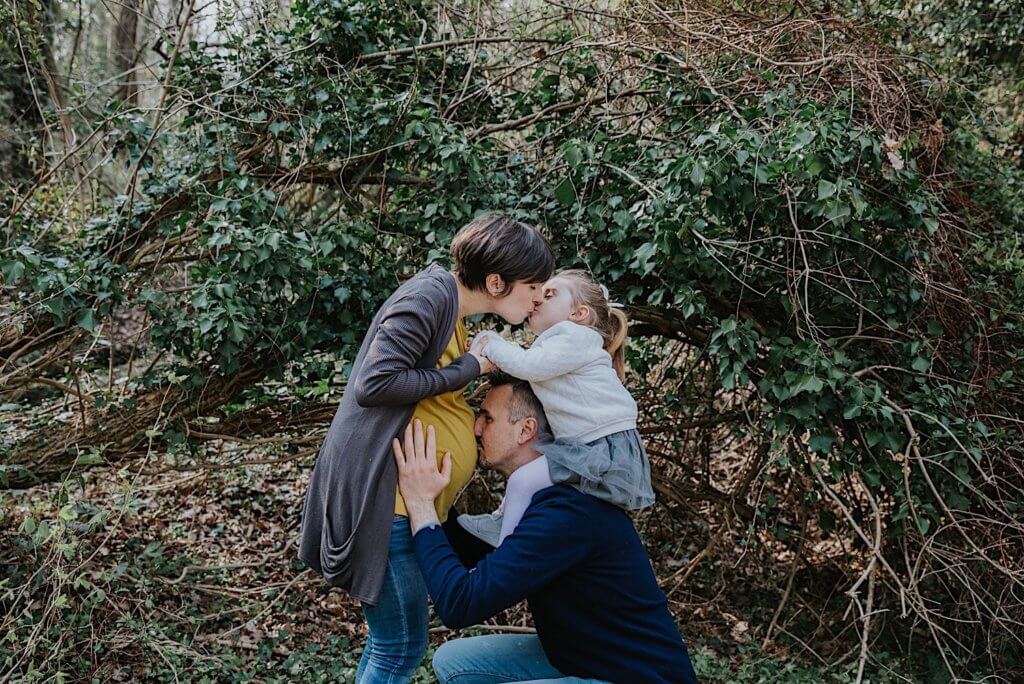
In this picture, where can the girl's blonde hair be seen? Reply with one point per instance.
(609, 321)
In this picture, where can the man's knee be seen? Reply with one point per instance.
(449, 659)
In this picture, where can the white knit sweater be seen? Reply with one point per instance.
(572, 375)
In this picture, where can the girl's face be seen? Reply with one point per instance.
(556, 306)
(518, 304)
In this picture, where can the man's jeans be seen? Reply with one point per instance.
(398, 623)
(498, 658)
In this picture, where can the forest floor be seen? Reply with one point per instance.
(179, 568)
(180, 565)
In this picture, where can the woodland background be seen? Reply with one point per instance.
(812, 209)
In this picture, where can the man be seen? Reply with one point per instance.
(599, 613)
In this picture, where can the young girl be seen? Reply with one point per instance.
(576, 367)
(413, 363)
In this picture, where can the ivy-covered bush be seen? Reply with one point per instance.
(783, 194)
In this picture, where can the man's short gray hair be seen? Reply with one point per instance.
(523, 404)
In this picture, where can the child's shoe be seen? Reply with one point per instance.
(486, 526)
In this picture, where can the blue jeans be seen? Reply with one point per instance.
(398, 623)
(498, 658)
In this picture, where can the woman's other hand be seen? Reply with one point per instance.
(486, 365)
(478, 348)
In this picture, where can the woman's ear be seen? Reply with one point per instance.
(495, 285)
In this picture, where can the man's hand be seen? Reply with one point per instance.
(418, 477)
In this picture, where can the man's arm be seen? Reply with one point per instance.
(550, 540)
(468, 548)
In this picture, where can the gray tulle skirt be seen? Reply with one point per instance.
(614, 468)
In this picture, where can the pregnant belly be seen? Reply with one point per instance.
(453, 429)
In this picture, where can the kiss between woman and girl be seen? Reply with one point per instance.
(414, 363)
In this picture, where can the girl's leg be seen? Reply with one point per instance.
(519, 490)
(398, 623)
(522, 485)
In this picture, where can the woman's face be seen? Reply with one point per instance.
(519, 303)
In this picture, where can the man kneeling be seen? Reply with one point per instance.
(579, 562)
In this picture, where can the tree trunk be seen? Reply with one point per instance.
(22, 126)
(125, 52)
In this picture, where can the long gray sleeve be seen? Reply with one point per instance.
(389, 377)
(350, 502)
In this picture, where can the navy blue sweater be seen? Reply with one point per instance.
(595, 601)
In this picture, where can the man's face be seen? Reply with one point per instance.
(497, 436)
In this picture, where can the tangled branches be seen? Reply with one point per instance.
(799, 215)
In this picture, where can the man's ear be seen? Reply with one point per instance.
(527, 430)
(495, 285)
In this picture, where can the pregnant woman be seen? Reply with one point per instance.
(413, 363)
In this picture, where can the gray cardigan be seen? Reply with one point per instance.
(350, 503)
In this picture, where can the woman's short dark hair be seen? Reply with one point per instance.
(493, 243)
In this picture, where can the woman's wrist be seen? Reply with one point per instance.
(486, 365)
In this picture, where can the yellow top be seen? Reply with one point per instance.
(452, 419)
